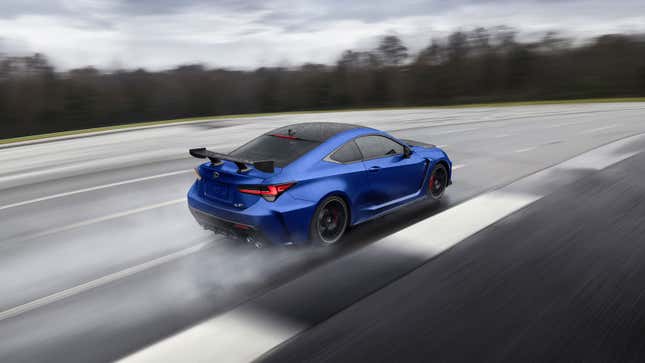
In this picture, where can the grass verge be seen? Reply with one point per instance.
(214, 118)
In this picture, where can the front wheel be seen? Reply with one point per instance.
(329, 221)
(438, 182)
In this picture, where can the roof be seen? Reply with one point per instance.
(314, 131)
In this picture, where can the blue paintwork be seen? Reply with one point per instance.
(369, 194)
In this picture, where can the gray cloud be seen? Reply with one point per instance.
(155, 7)
(247, 33)
(15, 8)
(128, 8)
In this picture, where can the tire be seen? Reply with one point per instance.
(438, 182)
(329, 222)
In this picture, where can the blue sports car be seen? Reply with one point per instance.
(309, 182)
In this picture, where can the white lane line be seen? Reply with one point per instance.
(49, 299)
(455, 224)
(98, 220)
(215, 339)
(245, 333)
(98, 187)
(604, 156)
(525, 149)
(458, 166)
(79, 167)
(444, 145)
(500, 136)
(598, 129)
(564, 124)
(455, 131)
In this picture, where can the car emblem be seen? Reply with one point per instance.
(215, 175)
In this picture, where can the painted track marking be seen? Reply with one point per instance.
(245, 333)
(97, 220)
(591, 131)
(525, 149)
(90, 189)
(49, 299)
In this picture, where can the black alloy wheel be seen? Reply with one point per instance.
(438, 182)
(330, 221)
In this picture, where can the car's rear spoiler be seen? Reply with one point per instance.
(267, 166)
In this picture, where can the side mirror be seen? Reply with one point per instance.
(407, 152)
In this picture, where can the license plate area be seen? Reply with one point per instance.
(216, 190)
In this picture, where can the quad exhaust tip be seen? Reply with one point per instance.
(254, 241)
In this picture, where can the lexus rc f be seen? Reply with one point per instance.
(310, 182)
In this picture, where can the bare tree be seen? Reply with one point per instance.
(392, 50)
(478, 65)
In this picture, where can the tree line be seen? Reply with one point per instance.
(479, 65)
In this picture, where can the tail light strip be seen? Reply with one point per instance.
(268, 192)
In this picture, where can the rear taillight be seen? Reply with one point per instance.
(268, 192)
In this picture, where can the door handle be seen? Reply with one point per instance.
(374, 168)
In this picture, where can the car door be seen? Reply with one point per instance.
(391, 175)
(354, 177)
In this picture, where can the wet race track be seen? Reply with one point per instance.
(100, 256)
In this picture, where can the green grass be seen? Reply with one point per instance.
(154, 123)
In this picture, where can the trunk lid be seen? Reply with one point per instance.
(221, 183)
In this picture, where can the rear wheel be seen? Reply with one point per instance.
(438, 182)
(329, 221)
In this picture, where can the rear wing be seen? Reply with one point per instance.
(267, 166)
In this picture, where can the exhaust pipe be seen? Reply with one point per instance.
(254, 241)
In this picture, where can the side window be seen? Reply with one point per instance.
(374, 147)
(347, 153)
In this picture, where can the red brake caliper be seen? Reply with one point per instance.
(335, 213)
(432, 182)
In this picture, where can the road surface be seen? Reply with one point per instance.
(101, 258)
(562, 280)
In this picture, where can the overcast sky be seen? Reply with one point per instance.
(247, 33)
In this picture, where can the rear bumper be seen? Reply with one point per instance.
(229, 229)
(283, 222)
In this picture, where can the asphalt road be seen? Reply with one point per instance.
(562, 280)
(100, 256)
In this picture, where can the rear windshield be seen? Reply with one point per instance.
(281, 150)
